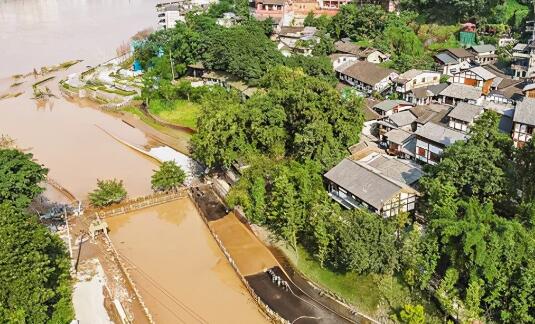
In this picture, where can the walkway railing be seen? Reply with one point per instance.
(140, 203)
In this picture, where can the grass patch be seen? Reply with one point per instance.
(10, 95)
(357, 290)
(363, 43)
(374, 295)
(139, 114)
(68, 86)
(179, 112)
(42, 81)
(118, 91)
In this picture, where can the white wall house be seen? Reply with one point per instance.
(366, 77)
(432, 138)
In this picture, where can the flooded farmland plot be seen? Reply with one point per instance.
(179, 269)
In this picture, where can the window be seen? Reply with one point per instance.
(421, 151)
(434, 157)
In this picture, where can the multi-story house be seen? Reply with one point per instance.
(431, 140)
(453, 60)
(475, 77)
(524, 122)
(523, 64)
(366, 77)
(400, 143)
(408, 82)
(484, 54)
(463, 116)
(380, 183)
(345, 46)
(400, 120)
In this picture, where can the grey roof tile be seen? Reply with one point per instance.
(465, 112)
(525, 112)
(440, 134)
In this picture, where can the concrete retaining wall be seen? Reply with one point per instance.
(276, 318)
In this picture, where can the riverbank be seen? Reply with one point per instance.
(285, 297)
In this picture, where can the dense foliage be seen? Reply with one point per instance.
(107, 192)
(288, 197)
(34, 271)
(169, 177)
(34, 266)
(20, 177)
(298, 116)
(482, 230)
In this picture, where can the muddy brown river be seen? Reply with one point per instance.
(168, 244)
(183, 275)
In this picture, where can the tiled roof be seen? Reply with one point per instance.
(525, 112)
(366, 72)
(365, 182)
(437, 88)
(433, 112)
(440, 134)
(460, 52)
(446, 58)
(402, 118)
(483, 73)
(483, 48)
(465, 112)
(461, 91)
(398, 136)
(422, 92)
(387, 105)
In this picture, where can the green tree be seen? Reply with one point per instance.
(477, 167)
(367, 243)
(20, 177)
(34, 271)
(525, 171)
(169, 177)
(108, 192)
(244, 52)
(474, 294)
(258, 197)
(412, 314)
(220, 137)
(282, 212)
(362, 22)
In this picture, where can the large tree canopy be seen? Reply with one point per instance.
(297, 116)
(34, 271)
(20, 177)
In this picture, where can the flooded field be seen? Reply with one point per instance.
(65, 135)
(181, 272)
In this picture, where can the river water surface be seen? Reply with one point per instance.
(169, 244)
(65, 136)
